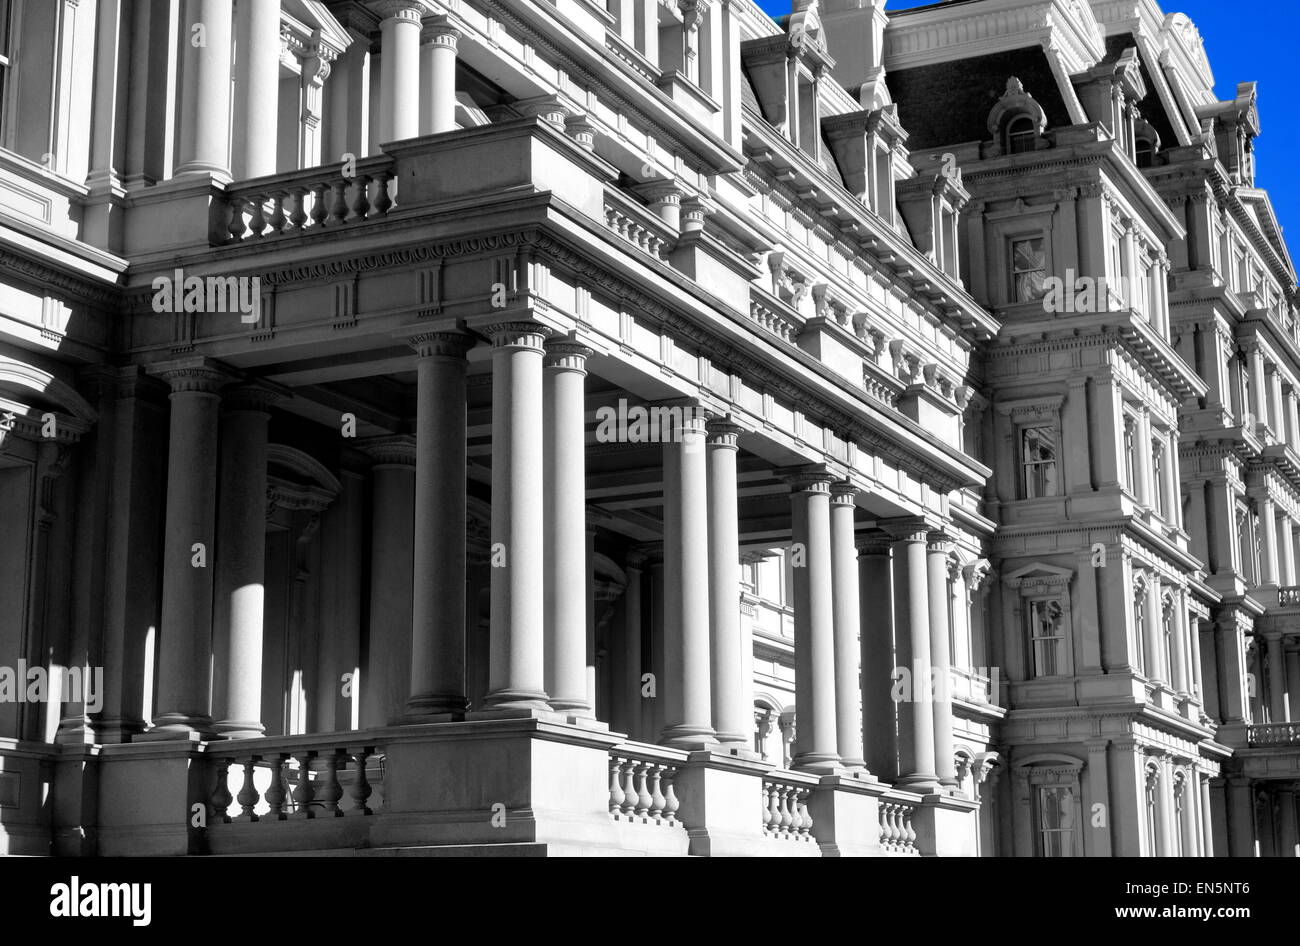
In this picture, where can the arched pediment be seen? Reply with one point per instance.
(302, 465)
(19, 377)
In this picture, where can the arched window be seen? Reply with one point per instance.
(1021, 134)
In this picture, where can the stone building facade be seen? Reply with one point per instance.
(626, 426)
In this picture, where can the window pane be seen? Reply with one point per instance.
(1029, 269)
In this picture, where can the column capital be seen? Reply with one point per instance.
(815, 479)
(939, 542)
(874, 543)
(723, 432)
(546, 107)
(252, 398)
(439, 31)
(907, 529)
(193, 375)
(445, 345)
(403, 10)
(844, 493)
(531, 335)
(397, 450)
(566, 354)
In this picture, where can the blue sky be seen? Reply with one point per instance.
(1247, 40)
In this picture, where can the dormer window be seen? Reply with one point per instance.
(1021, 132)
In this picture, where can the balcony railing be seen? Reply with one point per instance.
(785, 809)
(1273, 734)
(897, 834)
(1288, 597)
(642, 785)
(637, 225)
(308, 201)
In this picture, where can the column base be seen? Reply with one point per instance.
(922, 783)
(577, 708)
(239, 729)
(817, 763)
(427, 706)
(174, 726)
(689, 738)
(517, 699)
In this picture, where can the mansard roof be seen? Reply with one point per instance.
(1152, 108)
(949, 103)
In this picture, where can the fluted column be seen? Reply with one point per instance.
(257, 88)
(1165, 808)
(847, 621)
(517, 676)
(205, 87)
(241, 564)
(438, 595)
(879, 750)
(185, 642)
(567, 570)
(687, 703)
(945, 765)
(399, 70)
(814, 623)
(438, 76)
(912, 647)
(733, 688)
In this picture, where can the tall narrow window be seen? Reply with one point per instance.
(1020, 135)
(1047, 637)
(1130, 453)
(1054, 818)
(1038, 461)
(1139, 619)
(1028, 270)
(1163, 664)
(1158, 475)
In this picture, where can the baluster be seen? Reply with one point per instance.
(319, 210)
(277, 220)
(628, 770)
(656, 793)
(797, 812)
(616, 795)
(671, 803)
(361, 201)
(298, 217)
(909, 837)
(248, 795)
(360, 787)
(773, 821)
(643, 798)
(236, 226)
(303, 794)
(895, 826)
(338, 204)
(787, 819)
(274, 794)
(257, 217)
(805, 816)
(383, 202)
(331, 791)
(221, 792)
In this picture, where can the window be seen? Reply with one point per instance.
(1163, 664)
(1047, 637)
(1139, 619)
(1054, 818)
(1118, 269)
(1028, 270)
(1180, 784)
(1130, 452)
(1158, 475)
(1145, 153)
(1021, 135)
(1038, 461)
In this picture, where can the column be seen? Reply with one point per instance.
(1287, 836)
(1178, 646)
(1276, 676)
(945, 765)
(518, 537)
(399, 70)
(241, 565)
(205, 109)
(1165, 807)
(386, 677)
(1286, 548)
(1153, 636)
(879, 750)
(1097, 837)
(1144, 489)
(257, 88)
(566, 569)
(438, 76)
(632, 668)
(847, 619)
(438, 596)
(184, 663)
(1259, 393)
(1268, 551)
(733, 686)
(1275, 418)
(685, 689)
(1188, 822)
(814, 627)
(912, 654)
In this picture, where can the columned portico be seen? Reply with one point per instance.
(732, 674)
(516, 679)
(238, 610)
(816, 748)
(687, 704)
(438, 605)
(184, 681)
(916, 739)
(567, 567)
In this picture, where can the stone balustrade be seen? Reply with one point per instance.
(1274, 734)
(897, 832)
(642, 785)
(785, 809)
(637, 225)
